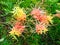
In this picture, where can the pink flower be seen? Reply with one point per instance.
(35, 11)
(39, 15)
(19, 26)
(44, 19)
(41, 28)
(18, 29)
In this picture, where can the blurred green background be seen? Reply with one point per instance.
(51, 38)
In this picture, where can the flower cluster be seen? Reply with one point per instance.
(20, 17)
(44, 20)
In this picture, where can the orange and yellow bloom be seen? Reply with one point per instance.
(18, 29)
(19, 14)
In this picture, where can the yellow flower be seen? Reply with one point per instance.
(18, 13)
(17, 29)
(15, 32)
(50, 19)
(40, 28)
(44, 31)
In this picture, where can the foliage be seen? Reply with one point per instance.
(29, 37)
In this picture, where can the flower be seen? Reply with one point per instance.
(50, 19)
(19, 14)
(18, 29)
(14, 32)
(41, 28)
(44, 20)
(41, 16)
(35, 12)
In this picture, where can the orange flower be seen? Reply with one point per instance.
(41, 28)
(43, 18)
(19, 14)
(17, 29)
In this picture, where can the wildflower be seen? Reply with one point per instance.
(17, 29)
(41, 28)
(50, 19)
(14, 32)
(35, 11)
(38, 14)
(19, 14)
(41, 16)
